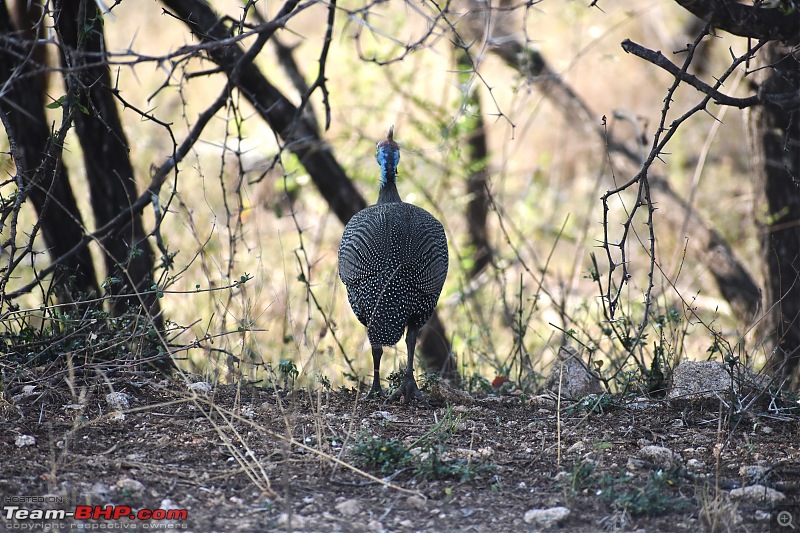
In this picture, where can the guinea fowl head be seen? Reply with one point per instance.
(388, 156)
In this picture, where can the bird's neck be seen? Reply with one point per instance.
(388, 192)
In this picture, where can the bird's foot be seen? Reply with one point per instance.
(409, 390)
(375, 391)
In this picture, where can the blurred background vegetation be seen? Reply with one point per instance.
(244, 244)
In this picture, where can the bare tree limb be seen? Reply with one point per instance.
(786, 101)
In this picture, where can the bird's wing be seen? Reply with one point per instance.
(362, 252)
(430, 252)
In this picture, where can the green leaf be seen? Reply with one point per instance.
(55, 104)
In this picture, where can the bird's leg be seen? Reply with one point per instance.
(408, 388)
(376, 391)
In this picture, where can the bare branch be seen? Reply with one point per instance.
(785, 101)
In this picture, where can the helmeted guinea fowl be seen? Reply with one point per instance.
(393, 261)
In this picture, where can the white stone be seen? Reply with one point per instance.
(416, 502)
(297, 521)
(24, 440)
(708, 380)
(545, 518)
(130, 484)
(349, 507)
(658, 455)
(757, 494)
(695, 466)
(118, 401)
(201, 386)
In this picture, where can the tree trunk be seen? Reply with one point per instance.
(476, 161)
(128, 255)
(776, 144)
(38, 160)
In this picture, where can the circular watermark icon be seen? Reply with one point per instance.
(785, 519)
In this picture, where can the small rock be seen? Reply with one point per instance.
(694, 380)
(571, 376)
(562, 476)
(296, 522)
(349, 507)
(201, 386)
(634, 463)
(578, 447)
(753, 473)
(416, 502)
(24, 440)
(130, 485)
(384, 415)
(658, 455)
(118, 401)
(442, 393)
(375, 525)
(166, 503)
(100, 489)
(709, 380)
(695, 466)
(27, 391)
(757, 494)
(545, 518)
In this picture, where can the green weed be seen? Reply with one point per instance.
(428, 457)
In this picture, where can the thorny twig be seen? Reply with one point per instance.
(786, 101)
(661, 138)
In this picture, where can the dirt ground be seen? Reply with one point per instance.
(481, 464)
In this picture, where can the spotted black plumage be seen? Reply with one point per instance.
(393, 260)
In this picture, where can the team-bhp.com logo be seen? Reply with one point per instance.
(94, 512)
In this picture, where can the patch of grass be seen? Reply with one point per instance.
(595, 404)
(432, 465)
(654, 499)
(428, 380)
(385, 456)
(622, 492)
(582, 476)
(428, 457)
(478, 384)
